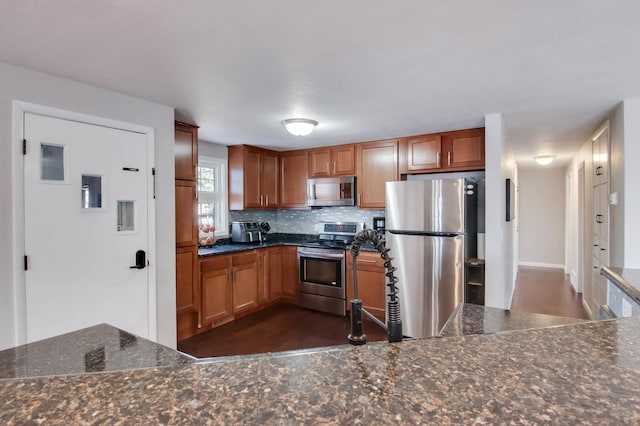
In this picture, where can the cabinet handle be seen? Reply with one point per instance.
(267, 200)
(598, 220)
(261, 199)
(328, 169)
(359, 199)
(599, 171)
(602, 249)
(366, 261)
(449, 158)
(334, 167)
(438, 158)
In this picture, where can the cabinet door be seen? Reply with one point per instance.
(186, 151)
(371, 283)
(293, 179)
(377, 164)
(245, 281)
(463, 150)
(274, 262)
(269, 179)
(186, 214)
(343, 158)
(252, 176)
(320, 162)
(187, 273)
(290, 272)
(424, 153)
(215, 287)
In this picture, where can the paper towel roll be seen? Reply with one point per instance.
(480, 246)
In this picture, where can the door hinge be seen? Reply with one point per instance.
(26, 263)
(153, 173)
(24, 147)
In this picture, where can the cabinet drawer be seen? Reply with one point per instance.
(214, 263)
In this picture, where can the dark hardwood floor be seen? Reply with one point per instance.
(284, 327)
(278, 328)
(546, 291)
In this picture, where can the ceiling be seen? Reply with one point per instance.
(365, 70)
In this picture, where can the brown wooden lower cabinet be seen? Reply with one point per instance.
(371, 282)
(215, 285)
(245, 281)
(290, 272)
(187, 287)
(273, 261)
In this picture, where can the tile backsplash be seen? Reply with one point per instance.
(305, 221)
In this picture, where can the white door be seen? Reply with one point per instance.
(85, 219)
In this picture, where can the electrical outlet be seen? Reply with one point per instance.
(627, 311)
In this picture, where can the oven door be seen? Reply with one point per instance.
(321, 271)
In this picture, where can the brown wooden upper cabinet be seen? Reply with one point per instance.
(443, 152)
(186, 151)
(293, 179)
(336, 160)
(377, 164)
(253, 178)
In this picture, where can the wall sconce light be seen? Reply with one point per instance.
(299, 126)
(544, 160)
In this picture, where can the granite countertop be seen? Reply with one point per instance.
(225, 246)
(100, 348)
(581, 373)
(476, 319)
(627, 279)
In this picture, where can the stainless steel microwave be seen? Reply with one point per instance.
(336, 191)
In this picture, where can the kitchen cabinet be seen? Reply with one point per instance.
(186, 151)
(293, 179)
(371, 282)
(244, 269)
(186, 214)
(216, 289)
(290, 272)
(253, 178)
(274, 263)
(461, 150)
(420, 153)
(187, 272)
(377, 164)
(336, 160)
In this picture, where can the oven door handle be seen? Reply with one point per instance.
(320, 256)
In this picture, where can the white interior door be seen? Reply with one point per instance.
(85, 219)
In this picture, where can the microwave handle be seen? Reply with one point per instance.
(311, 192)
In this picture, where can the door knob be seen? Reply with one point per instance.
(141, 260)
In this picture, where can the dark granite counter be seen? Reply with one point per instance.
(626, 279)
(582, 373)
(475, 319)
(225, 246)
(95, 349)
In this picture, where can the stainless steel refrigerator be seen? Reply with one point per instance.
(430, 231)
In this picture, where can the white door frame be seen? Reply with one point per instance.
(17, 200)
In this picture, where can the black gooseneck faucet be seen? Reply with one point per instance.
(394, 323)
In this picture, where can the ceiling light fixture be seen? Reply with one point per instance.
(299, 126)
(544, 160)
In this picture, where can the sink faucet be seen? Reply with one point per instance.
(394, 323)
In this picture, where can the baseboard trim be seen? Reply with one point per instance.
(542, 265)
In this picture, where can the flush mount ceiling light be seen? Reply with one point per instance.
(544, 160)
(299, 126)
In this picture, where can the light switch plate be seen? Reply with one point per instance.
(627, 311)
(613, 199)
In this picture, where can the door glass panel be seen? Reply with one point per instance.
(51, 162)
(91, 192)
(125, 216)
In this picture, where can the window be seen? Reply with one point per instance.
(212, 197)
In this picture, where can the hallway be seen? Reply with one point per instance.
(546, 291)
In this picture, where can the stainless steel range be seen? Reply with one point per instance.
(321, 267)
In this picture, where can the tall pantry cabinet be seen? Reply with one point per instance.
(601, 155)
(187, 266)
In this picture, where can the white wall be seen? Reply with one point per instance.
(631, 124)
(616, 184)
(501, 236)
(542, 216)
(214, 150)
(28, 86)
